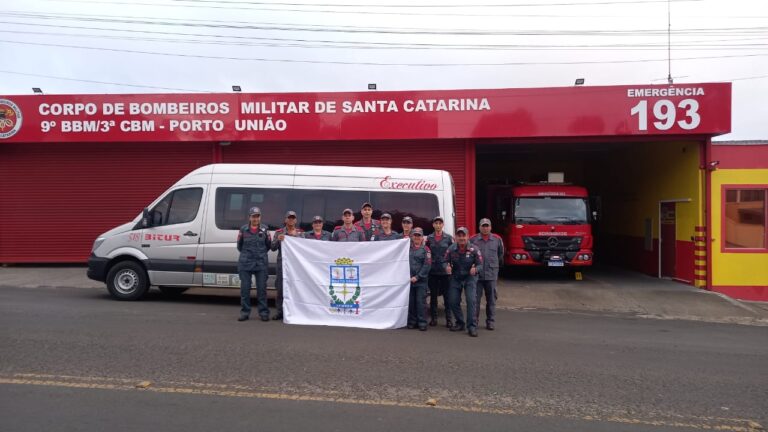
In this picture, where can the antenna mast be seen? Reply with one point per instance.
(669, 41)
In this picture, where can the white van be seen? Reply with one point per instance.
(186, 238)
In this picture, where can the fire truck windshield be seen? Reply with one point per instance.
(551, 210)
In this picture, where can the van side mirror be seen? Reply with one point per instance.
(145, 220)
(594, 215)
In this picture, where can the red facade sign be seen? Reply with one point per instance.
(697, 109)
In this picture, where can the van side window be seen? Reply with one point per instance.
(184, 205)
(232, 206)
(178, 207)
(420, 206)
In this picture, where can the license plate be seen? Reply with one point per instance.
(555, 263)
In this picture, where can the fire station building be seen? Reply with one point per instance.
(670, 203)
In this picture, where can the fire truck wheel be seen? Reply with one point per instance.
(127, 280)
(172, 292)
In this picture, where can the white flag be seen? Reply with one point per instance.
(347, 284)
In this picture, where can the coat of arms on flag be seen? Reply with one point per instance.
(344, 287)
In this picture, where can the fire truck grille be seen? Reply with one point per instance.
(552, 243)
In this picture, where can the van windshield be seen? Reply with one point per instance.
(551, 210)
(232, 204)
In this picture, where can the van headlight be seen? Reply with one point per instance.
(97, 243)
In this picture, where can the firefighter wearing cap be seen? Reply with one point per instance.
(420, 260)
(386, 232)
(367, 224)
(347, 232)
(253, 243)
(292, 230)
(492, 248)
(461, 262)
(407, 224)
(317, 233)
(439, 281)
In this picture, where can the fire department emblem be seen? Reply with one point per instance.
(10, 118)
(344, 287)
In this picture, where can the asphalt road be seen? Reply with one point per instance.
(73, 359)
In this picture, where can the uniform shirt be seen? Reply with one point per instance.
(277, 245)
(420, 260)
(324, 235)
(372, 230)
(253, 247)
(438, 248)
(492, 248)
(393, 235)
(341, 234)
(462, 259)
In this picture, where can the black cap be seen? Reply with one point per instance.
(366, 204)
(437, 218)
(408, 219)
(386, 216)
(254, 210)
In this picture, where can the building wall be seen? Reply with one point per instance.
(742, 275)
(55, 199)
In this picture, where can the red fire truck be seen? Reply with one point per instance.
(543, 224)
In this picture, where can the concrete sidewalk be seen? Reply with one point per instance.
(605, 290)
(614, 290)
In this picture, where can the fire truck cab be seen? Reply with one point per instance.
(543, 224)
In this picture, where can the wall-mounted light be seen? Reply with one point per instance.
(372, 86)
(713, 165)
(37, 90)
(579, 81)
(236, 88)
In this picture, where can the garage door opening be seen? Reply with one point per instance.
(644, 205)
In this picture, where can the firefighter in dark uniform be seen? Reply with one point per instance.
(347, 232)
(420, 260)
(407, 225)
(292, 230)
(253, 243)
(461, 262)
(317, 233)
(367, 224)
(492, 248)
(386, 232)
(439, 281)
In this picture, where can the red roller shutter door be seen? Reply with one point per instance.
(56, 198)
(442, 154)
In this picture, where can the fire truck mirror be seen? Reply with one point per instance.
(594, 215)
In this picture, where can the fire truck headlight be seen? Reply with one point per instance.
(517, 256)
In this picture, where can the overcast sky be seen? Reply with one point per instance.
(162, 46)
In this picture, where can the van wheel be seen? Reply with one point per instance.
(127, 280)
(172, 292)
